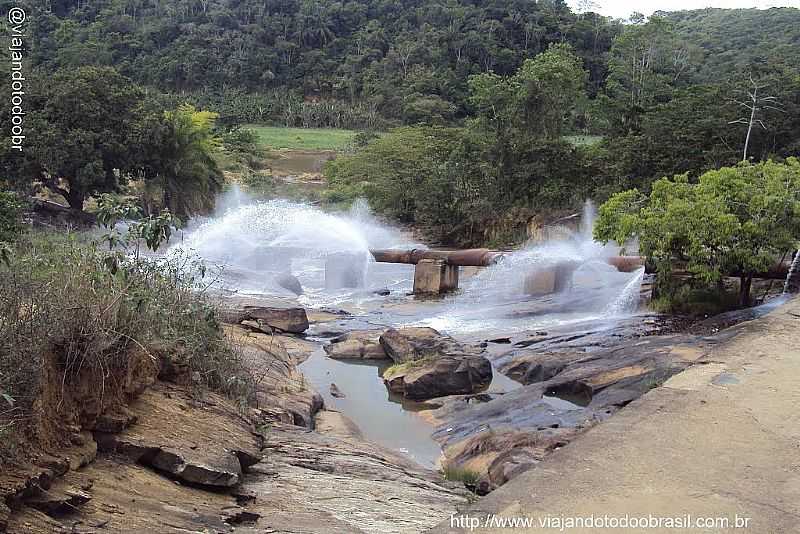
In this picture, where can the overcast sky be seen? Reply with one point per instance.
(623, 8)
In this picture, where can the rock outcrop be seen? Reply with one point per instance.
(289, 478)
(291, 320)
(449, 374)
(190, 451)
(431, 365)
(567, 391)
(357, 345)
(414, 343)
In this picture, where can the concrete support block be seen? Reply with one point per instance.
(434, 277)
(549, 279)
(344, 270)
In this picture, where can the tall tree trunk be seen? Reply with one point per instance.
(750, 127)
(75, 199)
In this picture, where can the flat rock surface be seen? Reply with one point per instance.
(203, 448)
(314, 483)
(717, 440)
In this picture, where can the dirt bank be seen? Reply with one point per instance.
(199, 462)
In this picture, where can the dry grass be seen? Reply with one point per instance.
(70, 310)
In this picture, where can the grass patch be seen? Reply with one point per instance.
(468, 477)
(406, 366)
(583, 140)
(275, 137)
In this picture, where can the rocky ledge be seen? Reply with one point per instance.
(570, 383)
(183, 462)
(429, 364)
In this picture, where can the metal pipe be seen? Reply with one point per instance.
(482, 257)
(479, 257)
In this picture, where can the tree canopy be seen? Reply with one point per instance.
(735, 221)
(80, 140)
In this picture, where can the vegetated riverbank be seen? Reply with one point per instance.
(186, 459)
(275, 455)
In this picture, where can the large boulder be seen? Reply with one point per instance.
(430, 364)
(417, 343)
(292, 320)
(223, 469)
(359, 345)
(451, 374)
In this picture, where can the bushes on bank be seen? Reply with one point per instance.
(71, 309)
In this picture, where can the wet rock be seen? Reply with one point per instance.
(292, 320)
(336, 392)
(383, 292)
(289, 282)
(223, 470)
(528, 368)
(58, 502)
(415, 343)
(358, 345)
(437, 377)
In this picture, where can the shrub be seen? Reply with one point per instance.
(10, 216)
(67, 306)
(469, 477)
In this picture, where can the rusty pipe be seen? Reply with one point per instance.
(479, 257)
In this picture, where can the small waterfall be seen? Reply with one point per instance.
(628, 300)
(792, 284)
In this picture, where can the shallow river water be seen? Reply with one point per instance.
(255, 243)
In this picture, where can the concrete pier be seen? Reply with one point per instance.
(435, 277)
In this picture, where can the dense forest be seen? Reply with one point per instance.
(407, 61)
(508, 107)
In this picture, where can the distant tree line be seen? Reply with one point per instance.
(489, 92)
(408, 60)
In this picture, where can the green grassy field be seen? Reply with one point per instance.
(277, 137)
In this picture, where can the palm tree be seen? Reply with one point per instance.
(189, 177)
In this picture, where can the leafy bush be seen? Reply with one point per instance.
(736, 221)
(10, 216)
